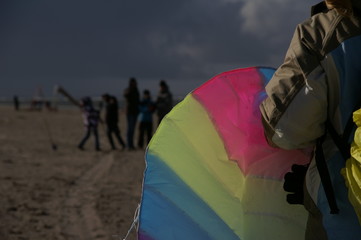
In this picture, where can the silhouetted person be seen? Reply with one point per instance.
(131, 95)
(164, 101)
(111, 119)
(49, 107)
(91, 119)
(91, 116)
(146, 108)
(16, 103)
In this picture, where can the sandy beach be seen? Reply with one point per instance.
(64, 193)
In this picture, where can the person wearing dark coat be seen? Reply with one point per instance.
(131, 95)
(164, 101)
(111, 120)
(16, 103)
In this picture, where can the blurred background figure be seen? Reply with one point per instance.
(131, 95)
(50, 107)
(16, 103)
(91, 119)
(146, 108)
(111, 120)
(164, 100)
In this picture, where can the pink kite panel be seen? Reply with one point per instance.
(232, 101)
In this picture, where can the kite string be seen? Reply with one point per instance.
(135, 222)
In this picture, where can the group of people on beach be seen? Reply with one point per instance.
(137, 109)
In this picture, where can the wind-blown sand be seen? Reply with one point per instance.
(67, 193)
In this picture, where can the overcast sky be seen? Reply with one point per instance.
(94, 46)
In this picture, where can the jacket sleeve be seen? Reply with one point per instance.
(295, 110)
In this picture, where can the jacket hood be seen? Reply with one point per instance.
(321, 7)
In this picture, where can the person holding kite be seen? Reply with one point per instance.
(310, 99)
(91, 117)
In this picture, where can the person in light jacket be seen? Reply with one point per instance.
(319, 82)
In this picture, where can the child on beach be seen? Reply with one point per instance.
(91, 119)
(146, 108)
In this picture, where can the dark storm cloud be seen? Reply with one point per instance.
(84, 42)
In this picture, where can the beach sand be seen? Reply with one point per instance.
(65, 193)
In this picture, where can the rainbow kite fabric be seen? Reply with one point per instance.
(210, 173)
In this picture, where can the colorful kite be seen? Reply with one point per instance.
(210, 173)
